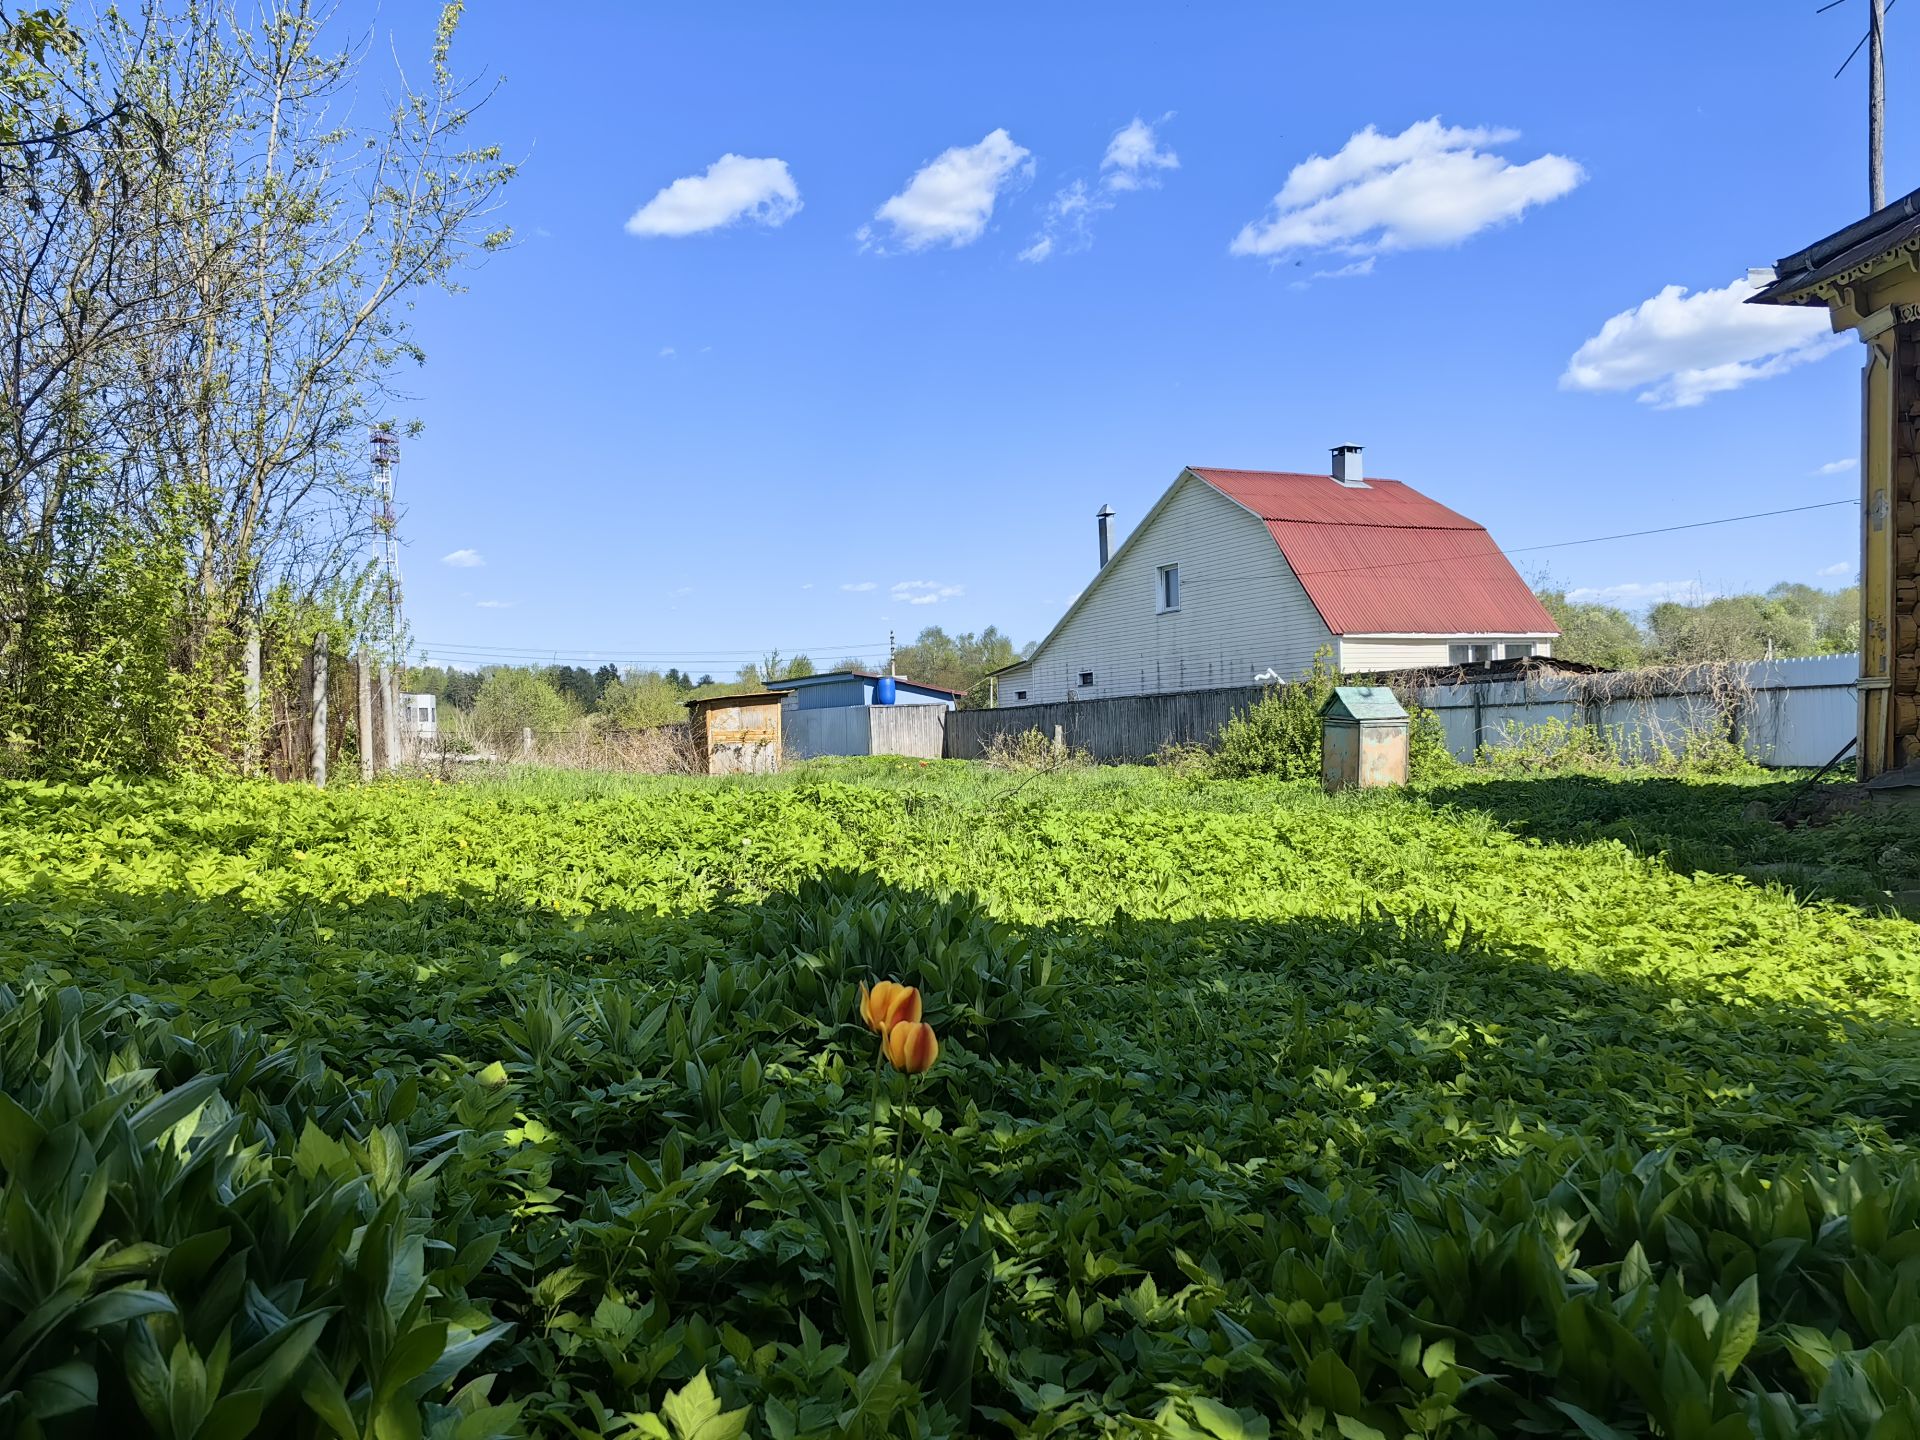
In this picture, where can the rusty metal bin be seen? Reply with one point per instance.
(1363, 739)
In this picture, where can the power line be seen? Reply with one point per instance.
(1550, 545)
(1691, 525)
(602, 652)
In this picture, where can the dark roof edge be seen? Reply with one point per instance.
(820, 675)
(1821, 251)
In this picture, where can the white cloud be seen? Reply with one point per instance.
(667, 352)
(860, 585)
(1135, 155)
(1132, 161)
(1838, 568)
(733, 188)
(1067, 227)
(1363, 266)
(924, 592)
(1838, 467)
(1638, 594)
(493, 604)
(1677, 349)
(951, 198)
(1430, 185)
(463, 559)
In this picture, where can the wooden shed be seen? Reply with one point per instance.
(737, 734)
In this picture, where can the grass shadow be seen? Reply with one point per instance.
(1869, 859)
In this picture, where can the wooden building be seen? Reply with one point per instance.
(1868, 278)
(737, 734)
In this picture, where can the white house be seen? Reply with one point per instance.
(420, 718)
(1239, 576)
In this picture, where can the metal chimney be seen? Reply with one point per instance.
(1105, 517)
(1346, 467)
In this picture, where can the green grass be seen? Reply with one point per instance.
(1453, 1112)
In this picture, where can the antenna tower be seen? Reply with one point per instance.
(386, 528)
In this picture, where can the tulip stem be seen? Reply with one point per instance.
(899, 1185)
(873, 1124)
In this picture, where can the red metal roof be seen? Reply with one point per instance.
(1386, 560)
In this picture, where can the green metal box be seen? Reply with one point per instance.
(1363, 739)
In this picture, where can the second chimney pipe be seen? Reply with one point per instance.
(1105, 517)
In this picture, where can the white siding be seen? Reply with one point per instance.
(1363, 657)
(1242, 611)
(1368, 653)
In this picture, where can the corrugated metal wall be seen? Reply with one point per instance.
(914, 730)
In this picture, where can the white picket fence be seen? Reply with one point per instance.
(1792, 712)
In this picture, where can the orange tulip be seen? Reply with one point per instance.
(912, 1047)
(888, 1004)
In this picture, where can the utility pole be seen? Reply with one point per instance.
(1876, 100)
(890, 669)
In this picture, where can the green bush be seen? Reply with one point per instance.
(1279, 735)
(512, 701)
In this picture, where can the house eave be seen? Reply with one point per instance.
(1451, 635)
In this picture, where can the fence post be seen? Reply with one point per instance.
(526, 742)
(363, 685)
(317, 710)
(1479, 736)
(390, 698)
(251, 762)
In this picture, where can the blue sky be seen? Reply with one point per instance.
(877, 400)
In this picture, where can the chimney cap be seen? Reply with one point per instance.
(1105, 512)
(1347, 469)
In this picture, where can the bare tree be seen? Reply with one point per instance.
(207, 300)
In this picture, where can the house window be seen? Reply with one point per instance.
(1086, 677)
(1019, 694)
(1469, 654)
(1519, 650)
(1169, 594)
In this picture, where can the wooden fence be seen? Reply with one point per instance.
(1126, 728)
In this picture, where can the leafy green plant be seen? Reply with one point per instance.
(173, 1263)
(1451, 1112)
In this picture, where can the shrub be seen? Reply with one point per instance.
(511, 701)
(1280, 734)
(1030, 751)
(1558, 746)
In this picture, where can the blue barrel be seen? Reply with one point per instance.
(883, 690)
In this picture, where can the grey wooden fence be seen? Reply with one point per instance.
(1124, 728)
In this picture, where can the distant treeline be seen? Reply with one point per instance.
(498, 702)
(1787, 620)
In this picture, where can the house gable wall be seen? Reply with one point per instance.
(1242, 612)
